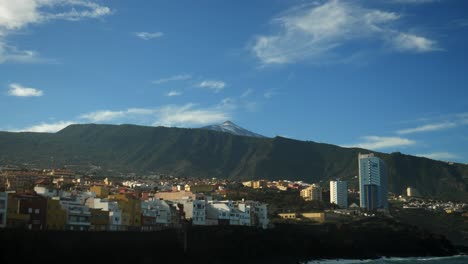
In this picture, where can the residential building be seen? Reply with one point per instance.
(99, 219)
(3, 209)
(199, 212)
(56, 215)
(155, 212)
(372, 182)
(131, 209)
(174, 196)
(256, 184)
(412, 192)
(260, 211)
(312, 193)
(44, 191)
(15, 218)
(202, 188)
(100, 191)
(317, 217)
(246, 214)
(78, 215)
(115, 213)
(287, 215)
(36, 207)
(339, 193)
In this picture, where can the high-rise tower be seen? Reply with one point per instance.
(372, 182)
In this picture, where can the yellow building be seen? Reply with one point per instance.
(288, 215)
(312, 193)
(56, 215)
(100, 191)
(131, 209)
(14, 218)
(255, 184)
(259, 184)
(318, 217)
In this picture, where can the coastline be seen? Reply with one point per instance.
(285, 243)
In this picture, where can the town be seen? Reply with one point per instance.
(60, 199)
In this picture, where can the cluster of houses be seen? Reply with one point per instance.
(100, 209)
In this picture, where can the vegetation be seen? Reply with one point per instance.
(205, 153)
(454, 226)
(370, 238)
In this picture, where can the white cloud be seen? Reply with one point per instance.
(214, 85)
(187, 115)
(246, 93)
(149, 35)
(446, 156)
(173, 93)
(409, 42)
(376, 142)
(168, 115)
(21, 91)
(428, 127)
(47, 127)
(104, 115)
(316, 33)
(180, 77)
(17, 14)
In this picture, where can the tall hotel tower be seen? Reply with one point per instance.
(372, 182)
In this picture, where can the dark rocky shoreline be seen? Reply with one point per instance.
(285, 243)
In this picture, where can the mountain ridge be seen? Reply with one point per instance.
(206, 153)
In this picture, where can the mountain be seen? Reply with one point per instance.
(231, 128)
(207, 153)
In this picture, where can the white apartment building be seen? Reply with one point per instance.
(339, 193)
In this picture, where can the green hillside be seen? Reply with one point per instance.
(205, 153)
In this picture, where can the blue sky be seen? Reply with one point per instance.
(388, 75)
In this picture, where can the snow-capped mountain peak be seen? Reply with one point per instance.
(231, 128)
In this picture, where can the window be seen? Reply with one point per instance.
(30, 210)
(37, 211)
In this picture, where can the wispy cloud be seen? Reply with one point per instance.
(169, 115)
(269, 94)
(409, 42)
(317, 33)
(149, 35)
(188, 115)
(47, 127)
(246, 93)
(173, 93)
(12, 54)
(376, 142)
(213, 85)
(413, 1)
(445, 156)
(180, 77)
(427, 128)
(104, 115)
(16, 15)
(21, 91)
